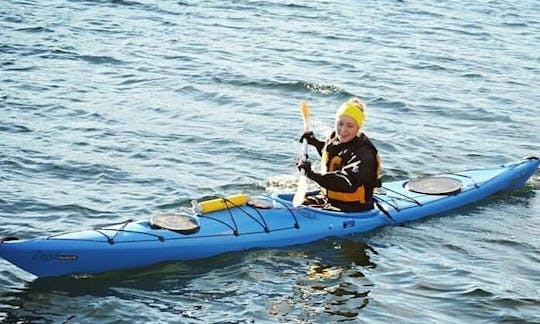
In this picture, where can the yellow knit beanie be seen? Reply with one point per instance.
(353, 108)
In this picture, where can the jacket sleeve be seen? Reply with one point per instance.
(360, 170)
(319, 145)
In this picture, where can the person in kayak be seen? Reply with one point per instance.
(350, 163)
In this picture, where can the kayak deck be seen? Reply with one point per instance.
(139, 243)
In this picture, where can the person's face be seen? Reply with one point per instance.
(346, 128)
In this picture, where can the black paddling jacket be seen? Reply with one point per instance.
(349, 172)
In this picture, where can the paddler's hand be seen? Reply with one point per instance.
(309, 137)
(306, 166)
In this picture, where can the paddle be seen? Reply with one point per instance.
(300, 193)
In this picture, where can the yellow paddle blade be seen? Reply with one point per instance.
(304, 109)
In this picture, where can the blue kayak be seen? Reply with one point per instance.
(270, 222)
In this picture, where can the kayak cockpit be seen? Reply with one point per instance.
(285, 199)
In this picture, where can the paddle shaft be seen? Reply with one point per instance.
(302, 181)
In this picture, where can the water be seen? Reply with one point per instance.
(111, 110)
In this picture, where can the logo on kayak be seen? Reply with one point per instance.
(48, 257)
(306, 213)
(348, 224)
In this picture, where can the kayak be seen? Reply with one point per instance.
(270, 221)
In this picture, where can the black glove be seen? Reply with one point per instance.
(309, 137)
(304, 165)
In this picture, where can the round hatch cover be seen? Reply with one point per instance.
(181, 223)
(434, 185)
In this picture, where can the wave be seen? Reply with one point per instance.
(37, 29)
(14, 128)
(284, 86)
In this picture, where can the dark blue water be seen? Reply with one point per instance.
(111, 110)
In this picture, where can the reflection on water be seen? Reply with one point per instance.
(42, 295)
(346, 255)
(333, 286)
(303, 282)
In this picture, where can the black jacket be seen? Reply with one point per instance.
(348, 167)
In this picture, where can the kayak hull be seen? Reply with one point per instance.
(137, 244)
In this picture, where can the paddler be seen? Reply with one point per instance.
(350, 164)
